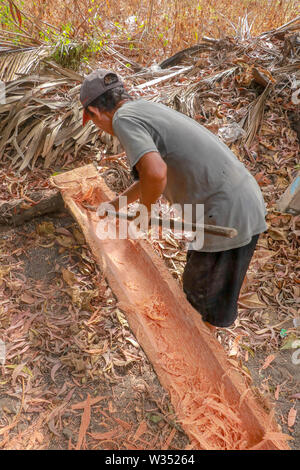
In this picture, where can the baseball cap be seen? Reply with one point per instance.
(94, 85)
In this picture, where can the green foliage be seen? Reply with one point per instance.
(6, 19)
(5, 16)
(68, 52)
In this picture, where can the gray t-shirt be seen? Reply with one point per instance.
(200, 169)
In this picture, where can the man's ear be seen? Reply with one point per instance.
(93, 110)
(99, 114)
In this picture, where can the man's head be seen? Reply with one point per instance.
(101, 94)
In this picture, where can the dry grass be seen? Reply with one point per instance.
(165, 26)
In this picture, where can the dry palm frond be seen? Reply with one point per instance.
(21, 61)
(290, 68)
(242, 29)
(219, 76)
(292, 25)
(42, 118)
(255, 115)
(15, 40)
(184, 100)
(124, 61)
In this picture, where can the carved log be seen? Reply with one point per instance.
(205, 388)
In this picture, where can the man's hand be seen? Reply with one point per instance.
(139, 227)
(153, 179)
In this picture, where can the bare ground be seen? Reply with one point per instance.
(67, 341)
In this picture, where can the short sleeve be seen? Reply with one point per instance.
(134, 138)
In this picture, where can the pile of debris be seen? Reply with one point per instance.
(227, 85)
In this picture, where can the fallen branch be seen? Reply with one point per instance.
(291, 25)
(19, 211)
(185, 53)
(155, 81)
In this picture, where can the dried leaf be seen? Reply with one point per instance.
(52, 427)
(54, 370)
(296, 395)
(292, 417)
(85, 421)
(69, 277)
(93, 401)
(66, 242)
(262, 256)
(46, 229)
(235, 346)
(277, 234)
(79, 237)
(268, 361)
(140, 430)
(169, 440)
(63, 231)
(18, 369)
(27, 298)
(101, 436)
(251, 300)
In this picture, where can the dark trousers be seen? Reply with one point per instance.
(212, 282)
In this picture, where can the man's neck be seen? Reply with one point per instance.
(121, 104)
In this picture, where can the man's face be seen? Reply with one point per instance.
(101, 119)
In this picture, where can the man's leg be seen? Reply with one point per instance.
(212, 282)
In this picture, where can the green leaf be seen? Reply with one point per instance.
(248, 349)
(154, 418)
(25, 369)
(46, 229)
(290, 342)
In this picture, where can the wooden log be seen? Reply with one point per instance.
(207, 389)
(184, 54)
(19, 211)
(290, 201)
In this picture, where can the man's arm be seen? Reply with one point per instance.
(153, 179)
(132, 193)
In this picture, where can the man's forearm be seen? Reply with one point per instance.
(151, 190)
(132, 193)
(147, 191)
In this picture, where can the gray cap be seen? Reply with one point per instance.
(97, 83)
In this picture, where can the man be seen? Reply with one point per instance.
(173, 155)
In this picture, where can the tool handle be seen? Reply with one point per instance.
(226, 232)
(180, 225)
